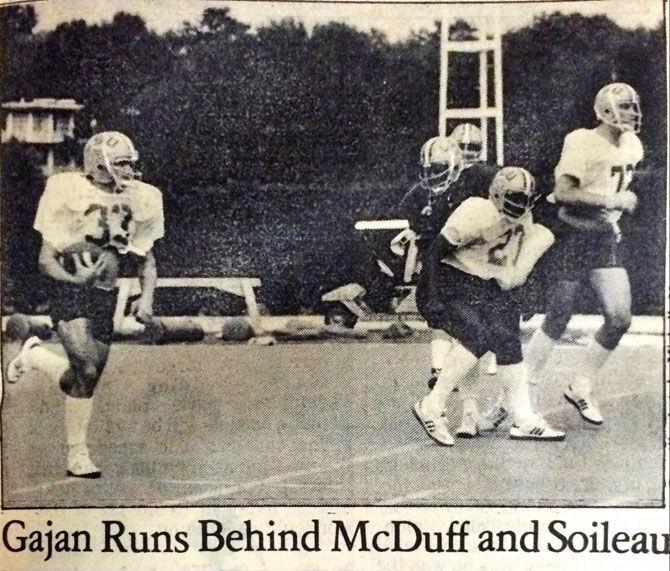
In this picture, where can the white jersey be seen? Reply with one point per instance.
(601, 168)
(488, 242)
(72, 210)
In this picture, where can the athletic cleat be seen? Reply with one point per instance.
(79, 464)
(584, 403)
(491, 420)
(536, 428)
(434, 425)
(469, 427)
(19, 364)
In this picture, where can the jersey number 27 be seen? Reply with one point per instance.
(498, 256)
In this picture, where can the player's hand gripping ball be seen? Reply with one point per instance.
(91, 264)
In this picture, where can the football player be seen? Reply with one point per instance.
(487, 247)
(427, 207)
(91, 222)
(469, 139)
(592, 190)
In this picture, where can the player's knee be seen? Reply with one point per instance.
(86, 379)
(615, 327)
(68, 381)
(78, 387)
(508, 353)
(618, 318)
(555, 324)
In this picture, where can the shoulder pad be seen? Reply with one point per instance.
(71, 189)
(147, 201)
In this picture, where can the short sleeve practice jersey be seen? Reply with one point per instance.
(601, 168)
(72, 210)
(487, 242)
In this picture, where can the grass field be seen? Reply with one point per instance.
(326, 424)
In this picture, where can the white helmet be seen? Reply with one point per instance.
(469, 139)
(441, 163)
(110, 157)
(618, 105)
(513, 191)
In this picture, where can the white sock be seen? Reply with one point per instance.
(491, 363)
(595, 357)
(470, 405)
(438, 350)
(515, 380)
(486, 385)
(462, 364)
(77, 416)
(47, 362)
(476, 390)
(537, 352)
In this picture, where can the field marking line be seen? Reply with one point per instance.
(361, 459)
(355, 460)
(188, 481)
(422, 494)
(44, 486)
(608, 398)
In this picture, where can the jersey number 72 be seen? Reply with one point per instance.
(625, 174)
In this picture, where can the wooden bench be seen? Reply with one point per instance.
(244, 287)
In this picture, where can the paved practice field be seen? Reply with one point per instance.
(326, 423)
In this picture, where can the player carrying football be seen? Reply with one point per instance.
(487, 247)
(592, 189)
(90, 223)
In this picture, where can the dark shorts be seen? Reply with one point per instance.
(69, 301)
(476, 312)
(577, 252)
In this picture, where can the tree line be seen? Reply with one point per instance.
(282, 122)
(215, 101)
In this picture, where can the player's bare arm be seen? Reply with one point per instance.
(148, 275)
(568, 191)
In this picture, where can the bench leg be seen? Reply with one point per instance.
(121, 301)
(252, 306)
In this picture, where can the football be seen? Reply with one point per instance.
(88, 254)
(236, 329)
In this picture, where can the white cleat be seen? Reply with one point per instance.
(535, 428)
(79, 464)
(469, 427)
(584, 403)
(492, 419)
(19, 364)
(348, 292)
(434, 424)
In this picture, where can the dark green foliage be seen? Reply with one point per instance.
(270, 143)
(22, 183)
